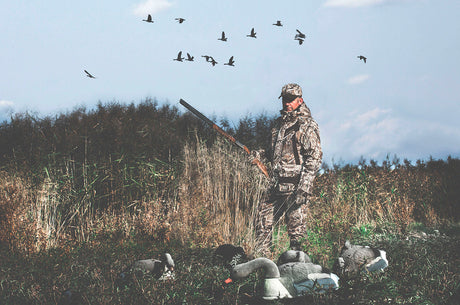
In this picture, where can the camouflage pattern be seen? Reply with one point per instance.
(296, 159)
(291, 90)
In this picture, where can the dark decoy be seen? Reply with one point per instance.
(160, 269)
(179, 56)
(149, 19)
(300, 34)
(189, 57)
(223, 38)
(88, 74)
(180, 20)
(230, 255)
(353, 259)
(230, 62)
(253, 34)
(278, 23)
(362, 58)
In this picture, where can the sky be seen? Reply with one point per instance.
(404, 101)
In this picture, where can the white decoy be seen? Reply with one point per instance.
(354, 258)
(293, 256)
(289, 280)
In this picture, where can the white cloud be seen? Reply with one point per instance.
(355, 3)
(6, 109)
(151, 7)
(358, 79)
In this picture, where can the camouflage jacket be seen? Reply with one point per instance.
(296, 151)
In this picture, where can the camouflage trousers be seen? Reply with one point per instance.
(269, 213)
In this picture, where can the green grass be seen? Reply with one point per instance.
(424, 269)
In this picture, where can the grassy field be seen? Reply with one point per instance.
(86, 195)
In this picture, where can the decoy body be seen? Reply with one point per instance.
(292, 256)
(179, 56)
(354, 258)
(362, 58)
(149, 19)
(230, 62)
(161, 269)
(253, 34)
(300, 34)
(230, 255)
(288, 280)
(278, 23)
(180, 20)
(223, 38)
(190, 57)
(89, 74)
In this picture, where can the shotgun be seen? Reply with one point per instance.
(229, 137)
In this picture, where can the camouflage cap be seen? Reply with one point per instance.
(291, 90)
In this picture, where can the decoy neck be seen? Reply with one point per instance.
(243, 270)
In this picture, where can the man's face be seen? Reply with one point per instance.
(291, 103)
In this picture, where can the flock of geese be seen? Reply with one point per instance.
(299, 36)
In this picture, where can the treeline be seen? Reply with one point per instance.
(112, 131)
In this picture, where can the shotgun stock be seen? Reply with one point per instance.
(226, 135)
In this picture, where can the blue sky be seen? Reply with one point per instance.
(405, 100)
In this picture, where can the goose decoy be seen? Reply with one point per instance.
(278, 23)
(300, 34)
(230, 62)
(161, 269)
(179, 56)
(362, 58)
(299, 39)
(253, 34)
(190, 57)
(230, 255)
(354, 258)
(288, 280)
(292, 256)
(149, 19)
(89, 74)
(207, 57)
(180, 20)
(223, 38)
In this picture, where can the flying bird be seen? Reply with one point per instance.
(299, 34)
(179, 56)
(149, 19)
(253, 34)
(189, 57)
(230, 62)
(299, 39)
(180, 20)
(207, 57)
(362, 58)
(213, 62)
(89, 74)
(278, 23)
(223, 38)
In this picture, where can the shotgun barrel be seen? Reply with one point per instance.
(226, 135)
